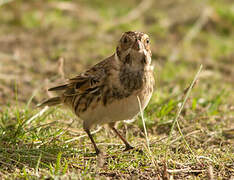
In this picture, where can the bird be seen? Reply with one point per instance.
(115, 89)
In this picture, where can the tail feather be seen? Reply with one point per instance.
(51, 102)
(58, 88)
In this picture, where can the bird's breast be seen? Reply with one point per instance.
(117, 104)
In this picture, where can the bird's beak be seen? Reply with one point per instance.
(137, 45)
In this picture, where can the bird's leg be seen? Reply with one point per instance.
(127, 145)
(92, 140)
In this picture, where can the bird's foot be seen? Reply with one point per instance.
(128, 147)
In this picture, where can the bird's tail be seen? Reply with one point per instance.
(50, 102)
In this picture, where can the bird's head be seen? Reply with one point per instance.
(134, 46)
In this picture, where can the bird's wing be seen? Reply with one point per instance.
(90, 81)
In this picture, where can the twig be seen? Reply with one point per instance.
(146, 135)
(179, 112)
(132, 15)
(189, 134)
(51, 139)
(185, 170)
(204, 157)
(143, 121)
(76, 138)
(40, 113)
(57, 136)
(181, 164)
(202, 20)
(157, 140)
(42, 125)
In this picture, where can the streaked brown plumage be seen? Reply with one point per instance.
(107, 92)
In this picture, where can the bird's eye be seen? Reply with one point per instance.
(125, 40)
(147, 41)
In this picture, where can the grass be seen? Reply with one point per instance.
(50, 143)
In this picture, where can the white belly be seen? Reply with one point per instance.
(118, 110)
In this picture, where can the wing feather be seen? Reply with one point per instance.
(90, 81)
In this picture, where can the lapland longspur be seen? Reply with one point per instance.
(108, 92)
